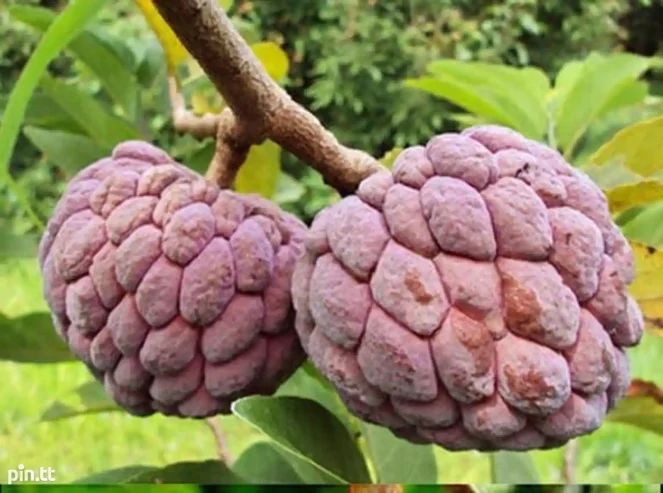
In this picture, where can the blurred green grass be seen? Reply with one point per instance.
(84, 445)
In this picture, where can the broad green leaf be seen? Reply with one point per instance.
(273, 59)
(17, 246)
(71, 152)
(115, 476)
(288, 190)
(260, 171)
(513, 468)
(629, 94)
(638, 147)
(94, 52)
(633, 194)
(205, 472)
(307, 383)
(642, 407)
(69, 24)
(606, 127)
(593, 90)
(647, 287)
(89, 398)
(396, 460)
(647, 226)
(525, 107)
(310, 432)
(106, 129)
(43, 112)
(263, 463)
(31, 338)
(460, 94)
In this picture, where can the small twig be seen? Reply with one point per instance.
(569, 467)
(221, 444)
(186, 121)
(256, 100)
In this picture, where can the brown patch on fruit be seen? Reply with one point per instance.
(530, 385)
(522, 310)
(416, 287)
(476, 338)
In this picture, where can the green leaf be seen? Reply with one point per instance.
(71, 21)
(594, 88)
(307, 430)
(487, 90)
(199, 160)
(262, 463)
(513, 468)
(43, 112)
(94, 52)
(629, 94)
(31, 338)
(71, 152)
(647, 226)
(205, 472)
(307, 383)
(642, 407)
(89, 398)
(17, 246)
(260, 171)
(638, 147)
(115, 476)
(106, 129)
(397, 460)
(288, 190)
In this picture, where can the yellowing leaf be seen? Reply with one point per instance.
(206, 100)
(273, 58)
(174, 50)
(642, 407)
(260, 171)
(647, 287)
(390, 157)
(631, 194)
(637, 146)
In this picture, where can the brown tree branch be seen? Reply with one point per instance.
(233, 142)
(184, 120)
(258, 101)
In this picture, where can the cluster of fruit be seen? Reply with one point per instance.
(474, 296)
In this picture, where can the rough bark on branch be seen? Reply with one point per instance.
(255, 99)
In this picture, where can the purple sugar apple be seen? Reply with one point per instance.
(174, 293)
(475, 296)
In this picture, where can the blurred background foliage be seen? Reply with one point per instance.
(347, 60)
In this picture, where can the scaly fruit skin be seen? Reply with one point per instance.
(474, 297)
(175, 294)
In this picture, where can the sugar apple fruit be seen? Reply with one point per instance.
(174, 293)
(475, 296)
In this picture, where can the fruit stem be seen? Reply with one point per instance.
(221, 443)
(256, 100)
